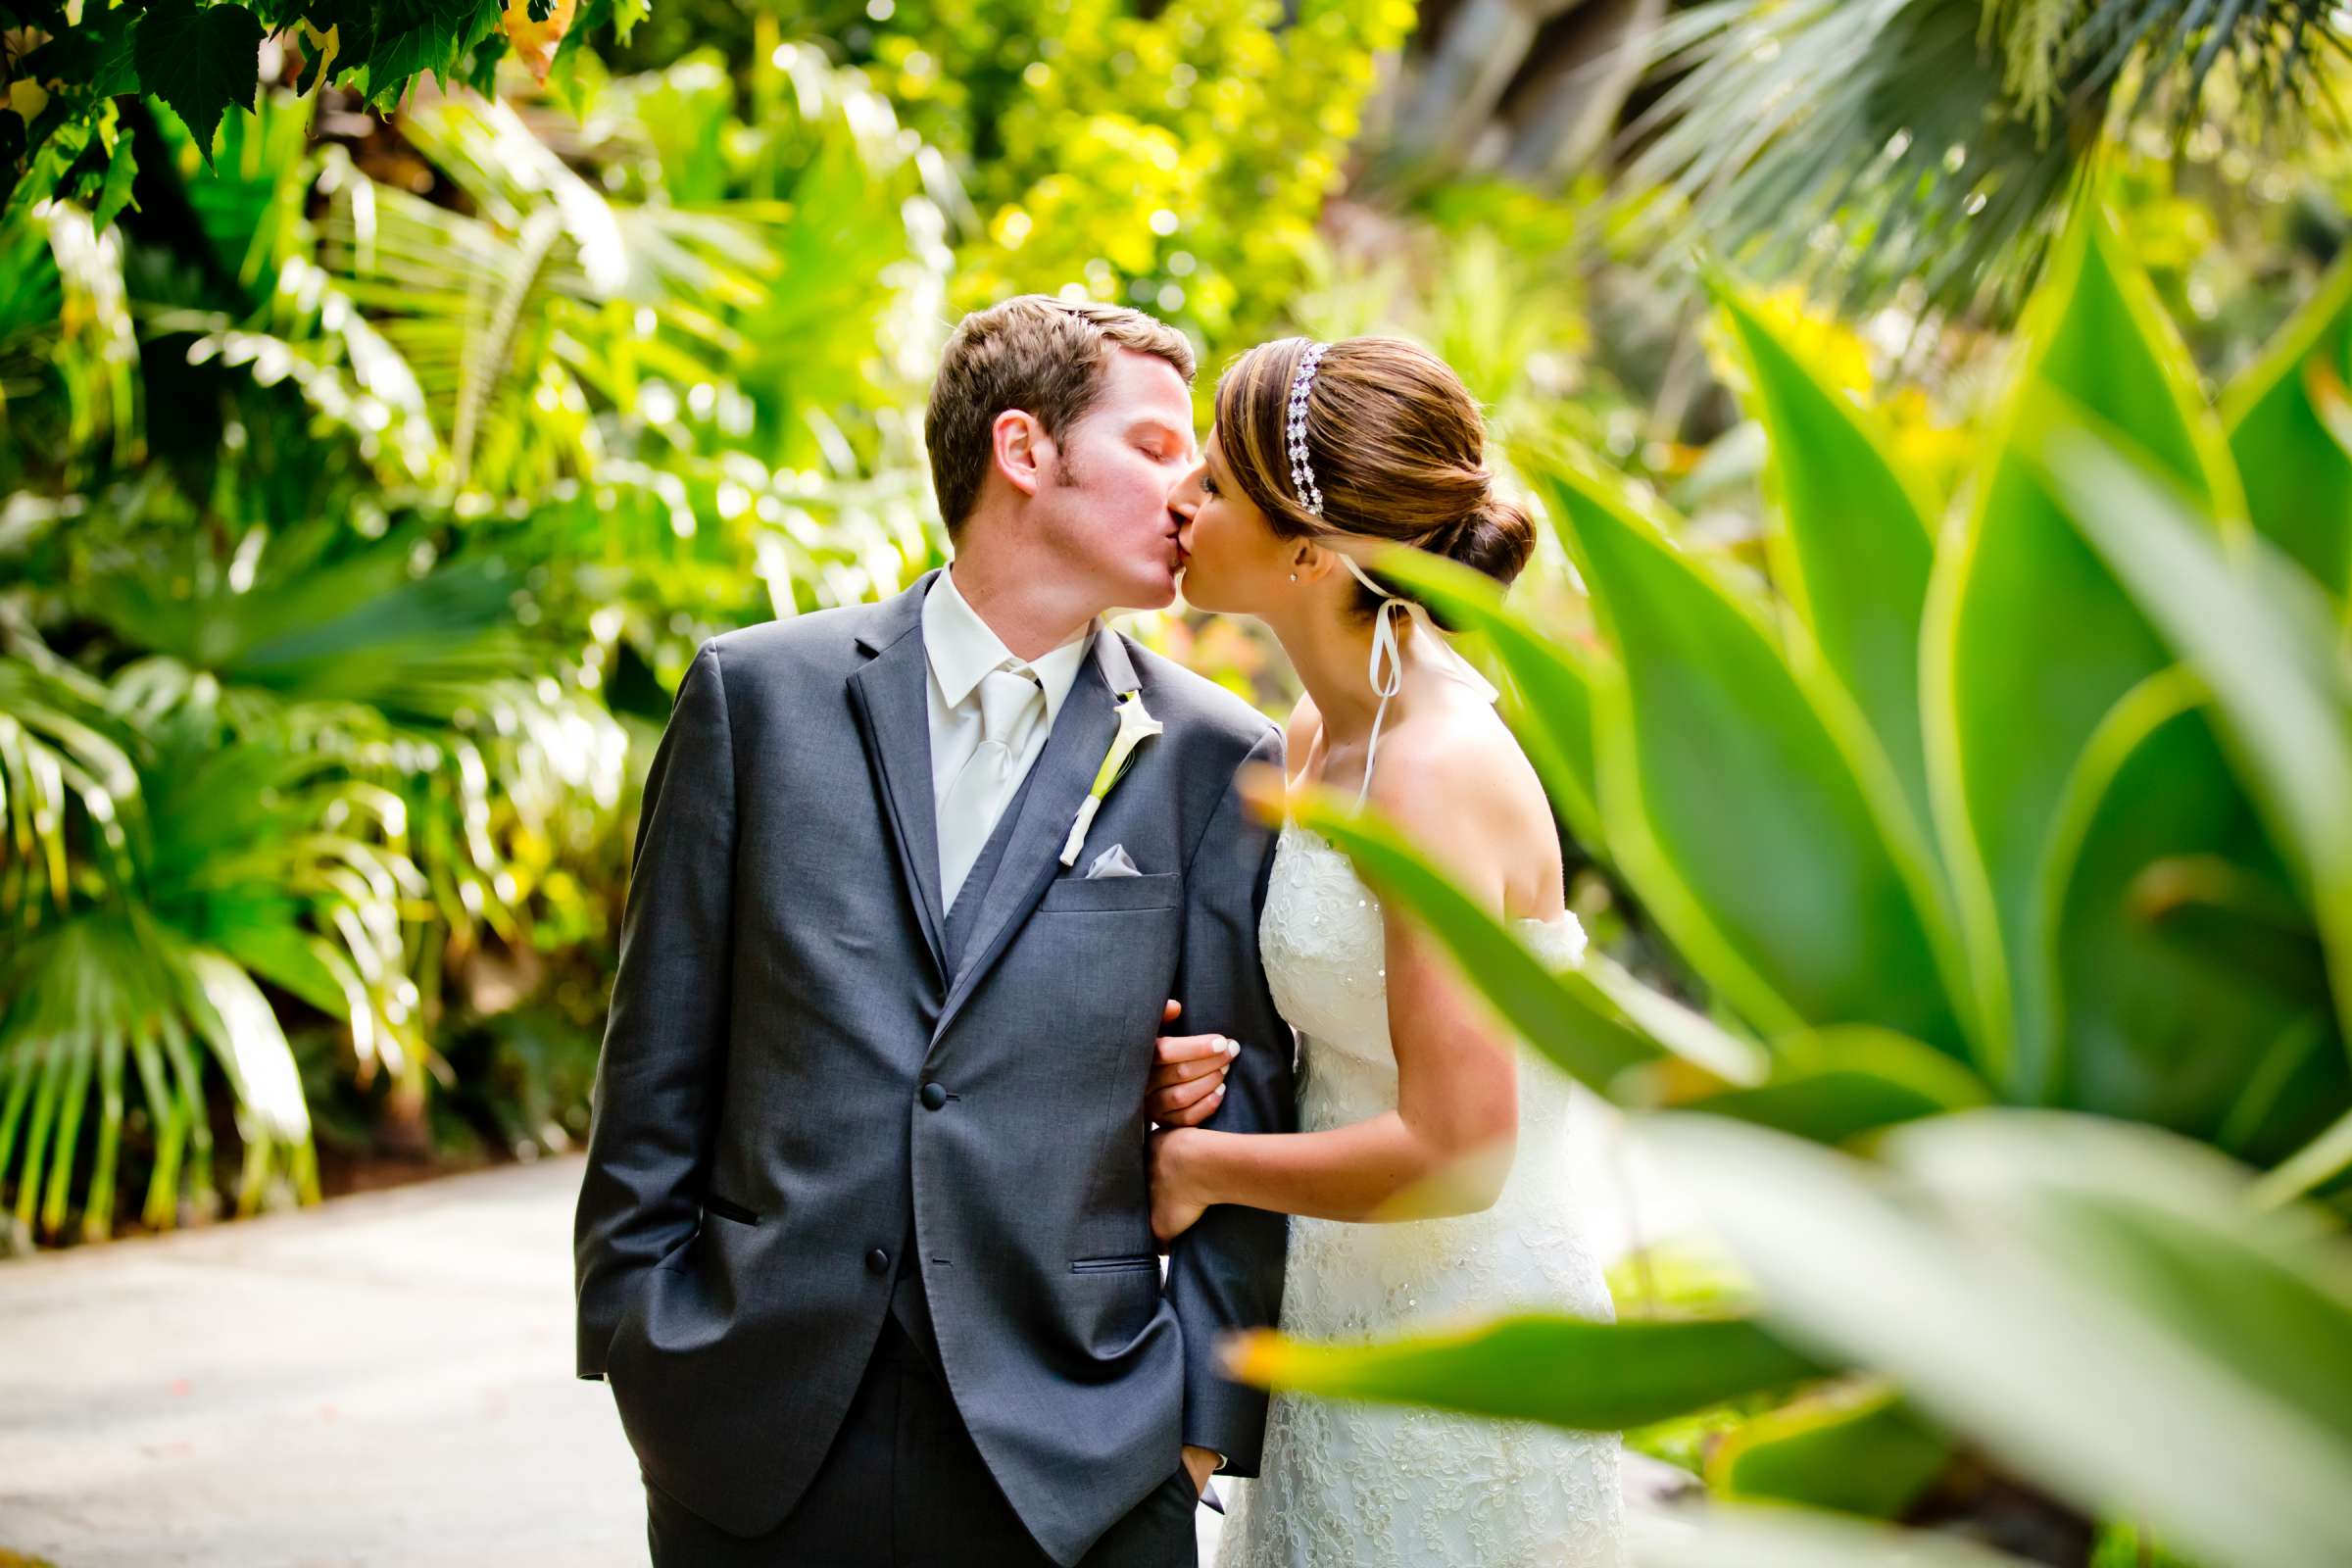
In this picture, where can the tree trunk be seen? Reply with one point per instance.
(1569, 107)
(1458, 86)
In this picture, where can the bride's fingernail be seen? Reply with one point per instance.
(1233, 1047)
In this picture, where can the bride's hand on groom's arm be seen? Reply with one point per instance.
(1188, 1075)
(1178, 1200)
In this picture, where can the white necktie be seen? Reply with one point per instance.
(1010, 700)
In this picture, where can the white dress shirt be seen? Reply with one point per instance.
(960, 649)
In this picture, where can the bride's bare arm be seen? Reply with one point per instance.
(1461, 791)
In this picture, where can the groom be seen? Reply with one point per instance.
(865, 1247)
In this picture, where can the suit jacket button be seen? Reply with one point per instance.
(877, 1261)
(934, 1096)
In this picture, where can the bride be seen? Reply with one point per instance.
(1429, 1179)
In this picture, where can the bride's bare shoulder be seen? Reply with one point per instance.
(1458, 771)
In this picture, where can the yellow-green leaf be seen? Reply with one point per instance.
(1835, 1084)
(2170, 952)
(1561, 1012)
(2290, 418)
(1852, 1447)
(1853, 538)
(2029, 640)
(1569, 1372)
(2257, 633)
(1746, 800)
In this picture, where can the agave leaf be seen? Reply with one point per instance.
(2097, 1305)
(2158, 1017)
(2257, 633)
(1852, 540)
(1831, 1085)
(2289, 419)
(1746, 801)
(2029, 640)
(1625, 1040)
(1566, 1371)
(1852, 1448)
(2146, 1218)
(1789, 1538)
(1562, 1013)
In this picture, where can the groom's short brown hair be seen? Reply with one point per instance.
(1036, 352)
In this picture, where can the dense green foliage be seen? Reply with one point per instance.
(419, 461)
(62, 131)
(348, 527)
(1952, 764)
(2030, 797)
(1927, 148)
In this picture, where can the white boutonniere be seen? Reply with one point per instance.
(1136, 725)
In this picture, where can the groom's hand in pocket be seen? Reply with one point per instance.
(1201, 1464)
(1188, 1074)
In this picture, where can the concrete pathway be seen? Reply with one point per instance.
(383, 1382)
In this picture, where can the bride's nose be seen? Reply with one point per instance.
(1185, 499)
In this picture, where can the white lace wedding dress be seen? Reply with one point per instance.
(1348, 1484)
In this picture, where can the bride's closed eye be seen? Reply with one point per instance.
(1208, 483)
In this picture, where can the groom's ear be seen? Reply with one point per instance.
(1020, 449)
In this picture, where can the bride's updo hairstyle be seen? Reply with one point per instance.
(1397, 445)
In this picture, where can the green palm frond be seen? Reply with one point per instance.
(495, 312)
(60, 753)
(362, 628)
(1871, 145)
(439, 470)
(251, 861)
(68, 360)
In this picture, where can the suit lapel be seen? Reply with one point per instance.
(1064, 772)
(893, 715)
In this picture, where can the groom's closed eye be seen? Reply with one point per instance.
(1162, 443)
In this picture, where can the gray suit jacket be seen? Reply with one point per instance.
(788, 1068)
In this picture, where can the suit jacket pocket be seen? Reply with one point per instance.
(1077, 894)
(1114, 1303)
(1122, 1264)
(728, 1208)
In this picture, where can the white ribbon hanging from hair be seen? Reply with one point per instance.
(1387, 671)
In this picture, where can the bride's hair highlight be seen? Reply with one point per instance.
(1398, 447)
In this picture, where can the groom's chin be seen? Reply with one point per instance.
(1150, 591)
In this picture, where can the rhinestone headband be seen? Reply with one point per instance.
(1303, 472)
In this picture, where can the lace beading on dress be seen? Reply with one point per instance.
(1356, 1486)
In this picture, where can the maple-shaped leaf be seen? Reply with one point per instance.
(97, 59)
(200, 60)
(413, 37)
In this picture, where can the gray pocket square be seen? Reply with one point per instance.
(1112, 861)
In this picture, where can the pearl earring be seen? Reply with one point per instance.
(1293, 576)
